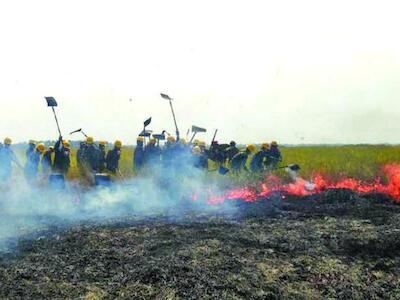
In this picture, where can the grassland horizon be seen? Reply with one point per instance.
(362, 162)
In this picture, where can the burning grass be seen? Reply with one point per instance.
(335, 244)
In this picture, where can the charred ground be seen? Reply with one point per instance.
(335, 244)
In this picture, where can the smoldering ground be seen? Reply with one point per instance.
(335, 244)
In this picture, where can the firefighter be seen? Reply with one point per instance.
(47, 160)
(32, 165)
(231, 151)
(31, 148)
(275, 156)
(151, 153)
(169, 152)
(113, 156)
(239, 160)
(138, 155)
(102, 156)
(91, 156)
(62, 153)
(183, 147)
(217, 152)
(80, 154)
(182, 155)
(196, 143)
(258, 161)
(202, 146)
(7, 157)
(200, 160)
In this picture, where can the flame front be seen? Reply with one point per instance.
(319, 183)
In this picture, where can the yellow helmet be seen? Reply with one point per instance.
(274, 143)
(182, 141)
(118, 144)
(7, 141)
(196, 142)
(32, 142)
(102, 143)
(202, 144)
(251, 148)
(89, 140)
(196, 150)
(170, 139)
(140, 139)
(264, 145)
(66, 144)
(51, 148)
(41, 148)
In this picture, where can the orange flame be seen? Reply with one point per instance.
(318, 183)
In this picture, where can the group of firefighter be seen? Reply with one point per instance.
(57, 158)
(178, 152)
(94, 158)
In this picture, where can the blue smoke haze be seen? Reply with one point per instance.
(26, 209)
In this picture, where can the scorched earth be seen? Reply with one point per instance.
(334, 244)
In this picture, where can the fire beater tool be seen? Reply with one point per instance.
(165, 132)
(143, 133)
(213, 139)
(195, 130)
(187, 134)
(79, 130)
(51, 102)
(166, 97)
(292, 167)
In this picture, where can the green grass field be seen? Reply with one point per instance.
(361, 162)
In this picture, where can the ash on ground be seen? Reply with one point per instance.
(332, 245)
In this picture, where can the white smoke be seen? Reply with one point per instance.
(295, 176)
(26, 209)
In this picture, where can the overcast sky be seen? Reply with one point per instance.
(298, 71)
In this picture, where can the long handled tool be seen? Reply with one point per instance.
(145, 124)
(195, 130)
(293, 167)
(164, 96)
(213, 140)
(79, 130)
(187, 134)
(51, 102)
(165, 132)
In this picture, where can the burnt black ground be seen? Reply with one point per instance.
(333, 245)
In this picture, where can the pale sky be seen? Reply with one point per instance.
(294, 71)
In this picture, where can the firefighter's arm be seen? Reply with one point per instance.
(58, 144)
